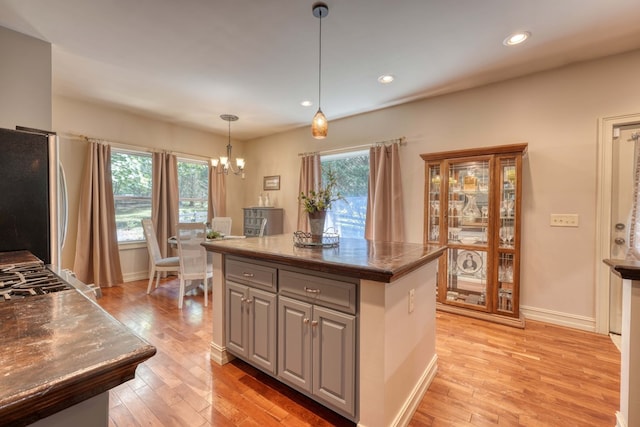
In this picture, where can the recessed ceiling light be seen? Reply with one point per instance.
(306, 103)
(516, 38)
(386, 79)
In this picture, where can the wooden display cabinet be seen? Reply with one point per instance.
(473, 206)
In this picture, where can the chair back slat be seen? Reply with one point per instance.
(152, 240)
(221, 224)
(193, 256)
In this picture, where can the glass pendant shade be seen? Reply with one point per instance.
(319, 125)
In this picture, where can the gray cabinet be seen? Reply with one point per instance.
(253, 221)
(298, 327)
(317, 344)
(251, 317)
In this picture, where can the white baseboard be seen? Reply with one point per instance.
(220, 355)
(559, 318)
(416, 395)
(620, 421)
(133, 276)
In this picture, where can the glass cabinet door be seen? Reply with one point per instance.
(467, 226)
(508, 263)
(433, 214)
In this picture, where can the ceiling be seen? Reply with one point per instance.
(187, 62)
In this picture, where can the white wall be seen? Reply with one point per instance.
(25, 81)
(556, 112)
(73, 117)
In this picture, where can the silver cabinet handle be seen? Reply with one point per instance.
(314, 323)
(249, 300)
(247, 274)
(305, 320)
(311, 290)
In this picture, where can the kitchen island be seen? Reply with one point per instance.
(380, 295)
(60, 353)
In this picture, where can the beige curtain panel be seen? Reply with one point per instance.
(385, 217)
(97, 258)
(310, 179)
(164, 199)
(217, 193)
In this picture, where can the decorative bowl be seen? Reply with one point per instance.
(469, 240)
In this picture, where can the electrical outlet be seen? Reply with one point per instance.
(412, 300)
(564, 220)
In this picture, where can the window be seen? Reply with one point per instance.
(131, 178)
(348, 216)
(193, 188)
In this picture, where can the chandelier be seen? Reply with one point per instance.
(225, 161)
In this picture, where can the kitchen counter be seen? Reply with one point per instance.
(395, 312)
(359, 258)
(629, 271)
(59, 350)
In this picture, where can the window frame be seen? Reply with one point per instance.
(116, 198)
(331, 212)
(205, 200)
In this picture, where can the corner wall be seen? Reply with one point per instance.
(25, 81)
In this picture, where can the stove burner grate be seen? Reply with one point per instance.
(29, 279)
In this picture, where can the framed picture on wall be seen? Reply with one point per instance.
(271, 183)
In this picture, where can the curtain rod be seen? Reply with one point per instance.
(133, 147)
(402, 141)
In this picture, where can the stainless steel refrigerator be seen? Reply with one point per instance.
(32, 208)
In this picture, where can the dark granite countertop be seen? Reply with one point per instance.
(625, 268)
(59, 349)
(359, 258)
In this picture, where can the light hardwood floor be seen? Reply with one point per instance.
(488, 375)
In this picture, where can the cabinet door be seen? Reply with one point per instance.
(236, 319)
(508, 271)
(262, 329)
(468, 233)
(334, 358)
(294, 343)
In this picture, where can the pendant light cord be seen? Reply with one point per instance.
(320, 63)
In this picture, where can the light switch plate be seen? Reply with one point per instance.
(564, 220)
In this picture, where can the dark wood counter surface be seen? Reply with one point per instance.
(59, 349)
(625, 268)
(359, 258)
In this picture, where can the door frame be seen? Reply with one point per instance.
(606, 126)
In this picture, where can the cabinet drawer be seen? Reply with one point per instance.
(319, 290)
(256, 275)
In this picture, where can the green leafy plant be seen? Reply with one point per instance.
(322, 198)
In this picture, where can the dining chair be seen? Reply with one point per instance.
(221, 224)
(194, 268)
(263, 225)
(157, 263)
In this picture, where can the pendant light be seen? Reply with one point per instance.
(319, 125)
(225, 161)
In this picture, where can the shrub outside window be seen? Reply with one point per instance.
(131, 178)
(347, 217)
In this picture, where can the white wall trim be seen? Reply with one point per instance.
(135, 275)
(559, 318)
(603, 213)
(620, 421)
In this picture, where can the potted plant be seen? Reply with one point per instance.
(317, 202)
